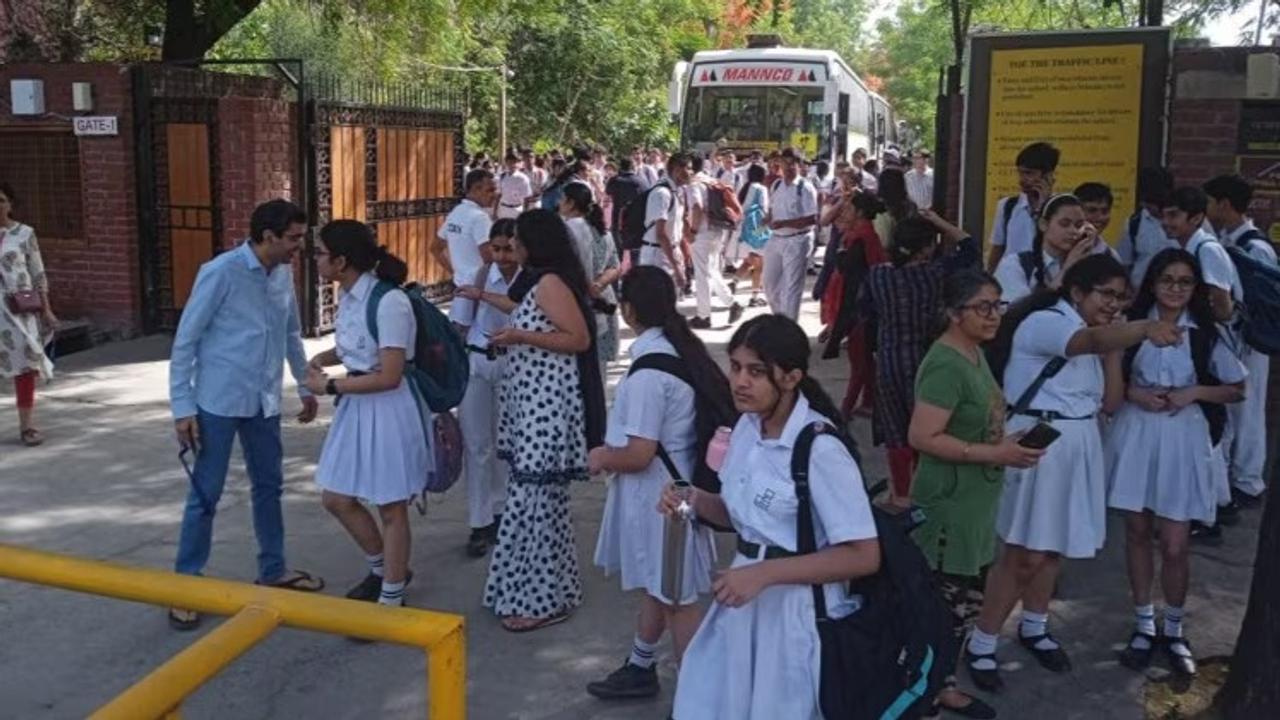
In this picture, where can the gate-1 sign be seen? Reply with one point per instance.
(97, 125)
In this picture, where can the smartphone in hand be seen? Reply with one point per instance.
(1039, 437)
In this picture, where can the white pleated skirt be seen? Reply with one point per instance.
(376, 449)
(1162, 463)
(631, 538)
(1060, 505)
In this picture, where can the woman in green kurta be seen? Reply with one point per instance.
(957, 426)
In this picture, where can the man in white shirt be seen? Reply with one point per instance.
(464, 237)
(1143, 235)
(1245, 439)
(532, 168)
(514, 190)
(481, 303)
(708, 238)
(920, 180)
(664, 218)
(1013, 228)
(730, 174)
(793, 213)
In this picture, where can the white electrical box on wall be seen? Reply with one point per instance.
(27, 97)
(1263, 76)
(82, 96)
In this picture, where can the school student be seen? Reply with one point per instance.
(1144, 235)
(1245, 441)
(708, 239)
(486, 309)
(1183, 217)
(463, 245)
(514, 190)
(376, 450)
(1062, 369)
(1159, 449)
(756, 655)
(1096, 200)
(793, 213)
(653, 413)
(1013, 226)
(664, 217)
(1063, 238)
(754, 232)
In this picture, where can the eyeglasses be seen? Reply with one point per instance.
(1184, 283)
(1115, 296)
(987, 308)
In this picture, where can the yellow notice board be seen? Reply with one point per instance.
(1086, 100)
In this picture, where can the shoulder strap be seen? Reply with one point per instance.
(1135, 222)
(1050, 369)
(1251, 236)
(1010, 204)
(1028, 262)
(806, 538)
(669, 364)
(380, 288)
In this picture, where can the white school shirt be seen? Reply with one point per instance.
(920, 187)
(1021, 231)
(655, 405)
(731, 177)
(485, 319)
(1216, 265)
(353, 341)
(464, 230)
(656, 208)
(1014, 283)
(513, 189)
(1076, 391)
(538, 178)
(798, 199)
(1261, 251)
(648, 174)
(1136, 252)
(760, 496)
(1173, 366)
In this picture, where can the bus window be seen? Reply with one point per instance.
(761, 118)
(842, 118)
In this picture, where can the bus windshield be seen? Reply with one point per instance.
(760, 118)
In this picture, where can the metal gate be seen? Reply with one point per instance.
(387, 155)
(178, 209)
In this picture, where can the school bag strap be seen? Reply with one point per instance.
(1027, 260)
(806, 538)
(1051, 368)
(380, 289)
(671, 365)
(1006, 211)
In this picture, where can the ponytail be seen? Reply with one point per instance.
(595, 218)
(820, 401)
(390, 268)
(354, 241)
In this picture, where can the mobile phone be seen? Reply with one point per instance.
(1039, 437)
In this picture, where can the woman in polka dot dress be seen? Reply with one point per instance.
(542, 431)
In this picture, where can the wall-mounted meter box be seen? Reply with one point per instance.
(27, 97)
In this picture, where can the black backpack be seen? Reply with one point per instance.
(889, 660)
(1202, 343)
(633, 217)
(713, 408)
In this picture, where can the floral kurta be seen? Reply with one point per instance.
(21, 340)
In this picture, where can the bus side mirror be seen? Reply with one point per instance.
(675, 92)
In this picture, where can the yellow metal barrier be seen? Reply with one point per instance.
(255, 611)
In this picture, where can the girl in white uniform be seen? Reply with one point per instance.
(1057, 508)
(1063, 238)
(757, 654)
(1160, 449)
(376, 451)
(652, 408)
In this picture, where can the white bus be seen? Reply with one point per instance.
(768, 98)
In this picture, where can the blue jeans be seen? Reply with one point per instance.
(263, 455)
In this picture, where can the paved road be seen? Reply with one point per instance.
(107, 485)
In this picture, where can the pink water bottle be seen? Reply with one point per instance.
(718, 448)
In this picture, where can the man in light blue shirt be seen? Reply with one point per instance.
(238, 328)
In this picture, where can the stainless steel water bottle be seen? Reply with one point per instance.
(675, 535)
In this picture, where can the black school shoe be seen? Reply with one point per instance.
(700, 323)
(1245, 500)
(1229, 514)
(370, 588)
(988, 680)
(1181, 659)
(628, 682)
(1206, 534)
(1054, 660)
(1136, 658)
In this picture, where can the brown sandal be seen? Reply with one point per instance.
(516, 624)
(31, 437)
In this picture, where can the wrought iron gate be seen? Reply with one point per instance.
(389, 156)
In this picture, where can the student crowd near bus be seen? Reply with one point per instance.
(1018, 403)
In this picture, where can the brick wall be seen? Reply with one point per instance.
(258, 158)
(94, 276)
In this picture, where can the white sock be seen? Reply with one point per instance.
(1034, 624)
(1173, 621)
(375, 563)
(642, 653)
(1145, 623)
(392, 593)
(981, 643)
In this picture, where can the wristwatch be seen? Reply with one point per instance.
(331, 387)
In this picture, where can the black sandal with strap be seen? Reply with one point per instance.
(988, 680)
(1182, 663)
(1054, 660)
(1137, 658)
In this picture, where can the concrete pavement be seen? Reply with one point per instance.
(107, 485)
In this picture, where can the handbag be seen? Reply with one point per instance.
(25, 302)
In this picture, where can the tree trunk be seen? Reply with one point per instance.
(1252, 689)
(188, 36)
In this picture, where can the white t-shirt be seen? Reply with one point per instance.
(513, 189)
(1076, 391)
(396, 326)
(661, 204)
(464, 230)
(1021, 231)
(790, 201)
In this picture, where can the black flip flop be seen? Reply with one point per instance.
(298, 582)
